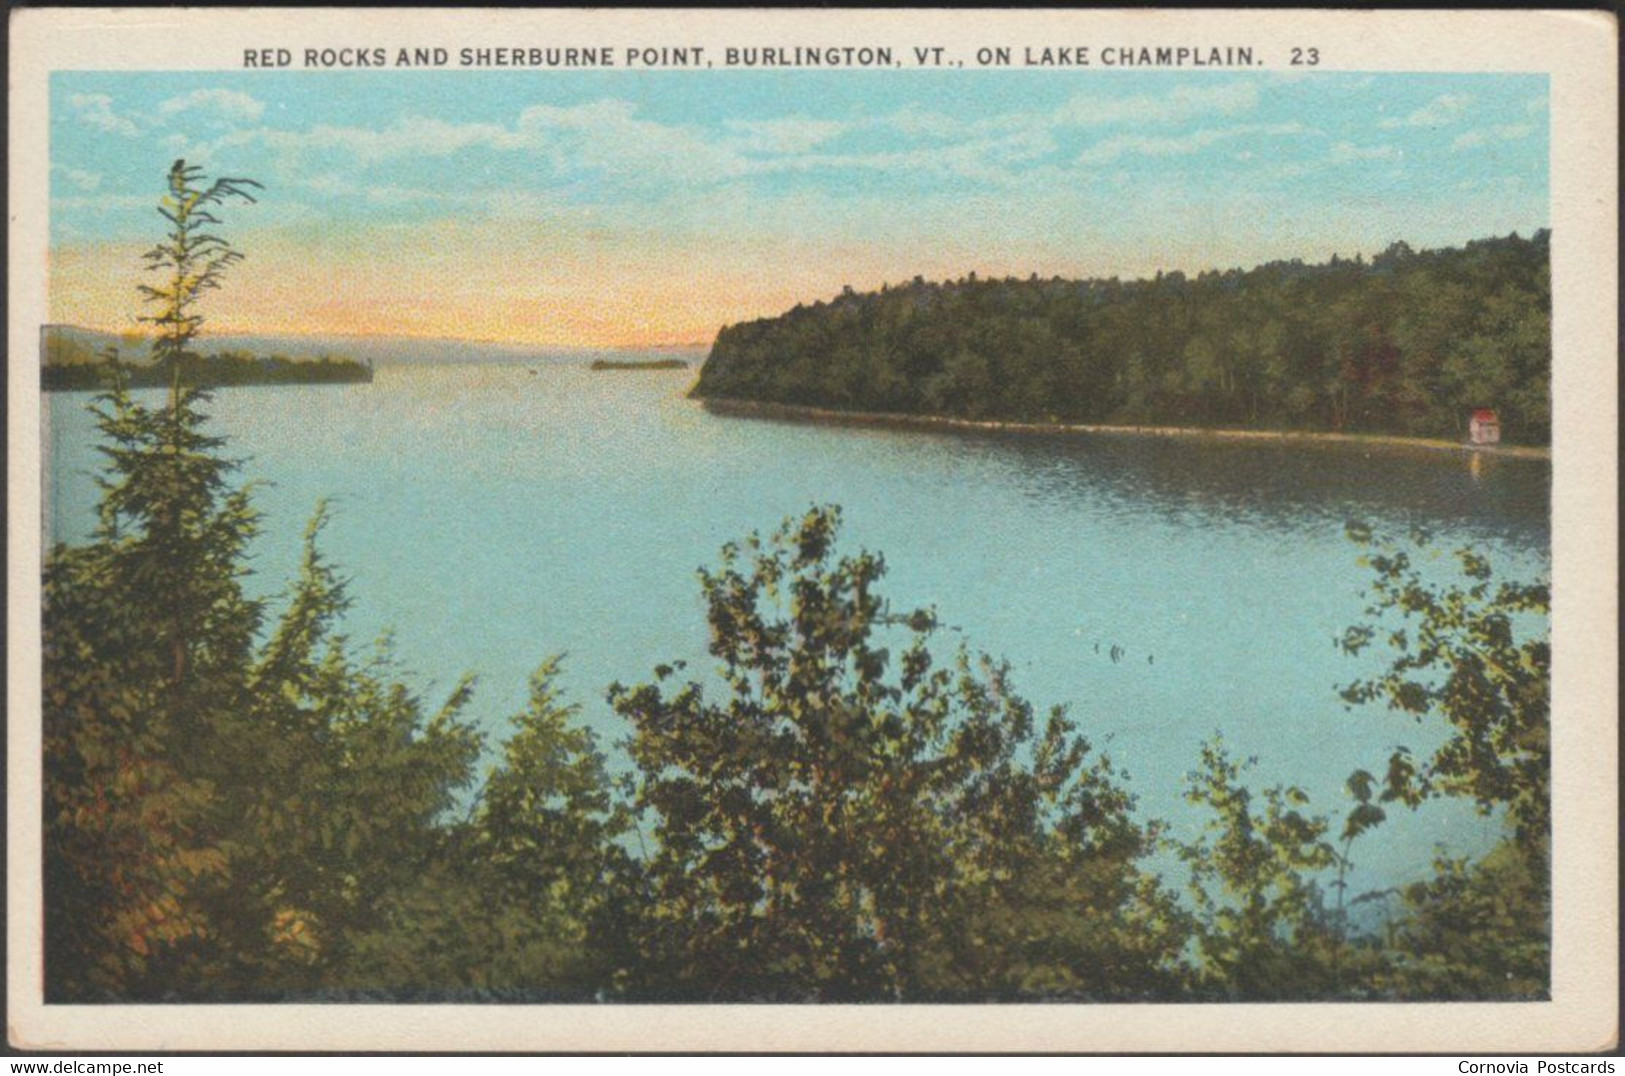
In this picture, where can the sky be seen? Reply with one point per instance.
(617, 208)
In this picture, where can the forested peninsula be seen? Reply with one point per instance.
(1408, 343)
(76, 359)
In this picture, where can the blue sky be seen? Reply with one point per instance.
(604, 207)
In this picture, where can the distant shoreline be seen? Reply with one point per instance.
(214, 372)
(639, 364)
(896, 420)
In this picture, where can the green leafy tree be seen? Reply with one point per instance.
(1477, 654)
(1476, 930)
(848, 824)
(1264, 931)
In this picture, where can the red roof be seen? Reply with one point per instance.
(1484, 414)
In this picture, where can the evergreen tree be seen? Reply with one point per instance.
(531, 897)
(221, 812)
(145, 633)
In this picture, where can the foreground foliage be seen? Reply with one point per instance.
(847, 825)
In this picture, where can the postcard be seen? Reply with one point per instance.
(812, 530)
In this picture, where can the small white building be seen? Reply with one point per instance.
(1484, 428)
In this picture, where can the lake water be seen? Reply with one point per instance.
(491, 516)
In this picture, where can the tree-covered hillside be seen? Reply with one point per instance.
(1407, 343)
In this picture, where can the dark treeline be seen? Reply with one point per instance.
(639, 364)
(239, 804)
(1407, 343)
(216, 371)
(73, 364)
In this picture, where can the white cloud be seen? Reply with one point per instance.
(606, 136)
(1084, 110)
(916, 122)
(1187, 102)
(987, 161)
(1510, 132)
(1180, 145)
(96, 110)
(610, 139)
(390, 195)
(83, 180)
(1537, 106)
(792, 134)
(1439, 112)
(101, 203)
(201, 151)
(1292, 170)
(1345, 152)
(411, 136)
(229, 105)
(987, 147)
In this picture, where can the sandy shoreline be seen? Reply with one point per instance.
(760, 409)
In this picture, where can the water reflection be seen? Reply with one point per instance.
(1299, 487)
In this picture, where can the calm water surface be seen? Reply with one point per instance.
(490, 517)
